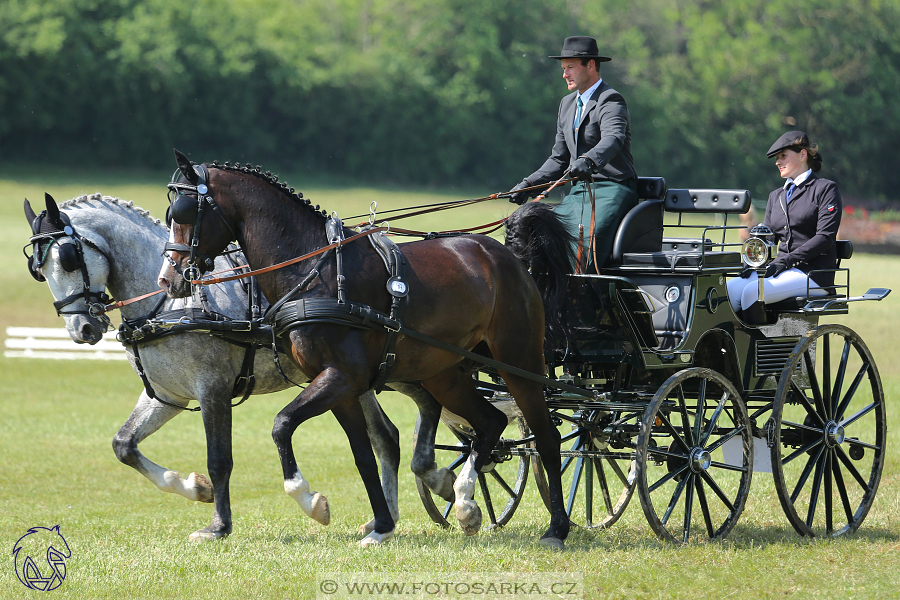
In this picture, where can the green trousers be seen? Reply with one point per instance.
(612, 201)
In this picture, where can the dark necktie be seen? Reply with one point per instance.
(790, 191)
(578, 114)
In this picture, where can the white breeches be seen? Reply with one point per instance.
(789, 284)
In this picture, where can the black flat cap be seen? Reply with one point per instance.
(581, 46)
(792, 140)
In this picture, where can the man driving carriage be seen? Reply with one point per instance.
(593, 145)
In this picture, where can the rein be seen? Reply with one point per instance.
(285, 263)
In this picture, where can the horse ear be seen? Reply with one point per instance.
(52, 208)
(186, 168)
(29, 212)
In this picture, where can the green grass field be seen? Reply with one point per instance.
(129, 540)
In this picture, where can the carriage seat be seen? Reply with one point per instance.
(672, 253)
(844, 249)
(641, 229)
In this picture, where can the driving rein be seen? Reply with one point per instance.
(286, 313)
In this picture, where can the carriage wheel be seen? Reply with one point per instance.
(499, 489)
(597, 488)
(694, 457)
(828, 428)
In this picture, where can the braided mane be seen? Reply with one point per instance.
(109, 200)
(268, 177)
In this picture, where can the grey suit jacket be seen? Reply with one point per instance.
(604, 136)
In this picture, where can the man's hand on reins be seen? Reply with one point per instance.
(583, 169)
(517, 197)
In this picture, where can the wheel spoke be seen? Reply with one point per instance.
(486, 496)
(862, 444)
(829, 522)
(839, 378)
(667, 477)
(813, 460)
(816, 487)
(614, 465)
(701, 496)
(688, 507)
(810, 409)
(826, 375)
(664, 419)
(850, 420)
(802, 451)
(604, 488)
(814, 385)
(685, 420)
(722, 440)
(502, 483)
(458, 461)
(815, 430)
(859, 479)
(717, 491)
(842, 490)
(701, 408)
(673, 501)
(446, 511)
(573, 490)
(851, 391)
(714, 419)
(588, 466)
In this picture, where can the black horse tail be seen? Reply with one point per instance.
(538, 237)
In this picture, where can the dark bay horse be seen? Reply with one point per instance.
(110, 246)
(468, 291)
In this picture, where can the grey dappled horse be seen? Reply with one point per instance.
(124, 243)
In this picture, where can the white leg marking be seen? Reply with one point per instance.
(196, 487)
(314, 504)
(439, 481)
(467, 512)
(376, 539)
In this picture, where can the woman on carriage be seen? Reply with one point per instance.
(804, 214)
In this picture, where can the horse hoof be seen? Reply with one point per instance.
(376, 539)
(554, 543)
(469, 516)
(206, 536)
(320, 511)
(367, 528)
(202, 487)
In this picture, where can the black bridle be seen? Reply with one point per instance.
(70, 249)
(186, 203)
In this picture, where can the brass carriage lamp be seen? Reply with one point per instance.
(757, 251)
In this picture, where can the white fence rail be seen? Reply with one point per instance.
(55, 343)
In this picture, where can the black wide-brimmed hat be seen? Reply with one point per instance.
(792, 140)
(581, 46)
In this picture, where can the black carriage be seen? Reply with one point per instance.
(662, 388)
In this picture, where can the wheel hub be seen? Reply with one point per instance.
(834, 434)
(700, 460)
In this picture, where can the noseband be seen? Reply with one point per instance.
(186, 203)
(46, 233)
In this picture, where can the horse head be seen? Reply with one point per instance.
(188, 255)
(213, 205)
(75, 268)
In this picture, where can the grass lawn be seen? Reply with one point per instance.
(128, 540)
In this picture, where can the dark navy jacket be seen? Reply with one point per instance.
(806, 227)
